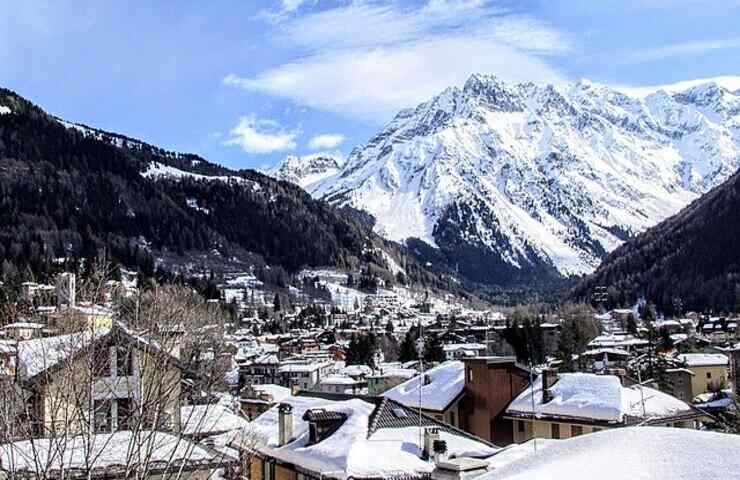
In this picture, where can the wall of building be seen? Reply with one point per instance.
(706, 378)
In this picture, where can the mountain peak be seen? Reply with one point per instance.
(519, 180)
(307, 169)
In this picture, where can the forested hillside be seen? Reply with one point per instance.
(69, 191)
(688, 262)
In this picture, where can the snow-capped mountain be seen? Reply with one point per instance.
(515, 180)
(308, 170)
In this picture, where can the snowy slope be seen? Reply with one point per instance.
(308, 170)
(644, 453)
(529, 177)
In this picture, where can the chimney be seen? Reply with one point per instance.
(460, 468)
(285, 423)
(431, 435)
(549, 377)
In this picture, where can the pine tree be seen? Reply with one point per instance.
(389, 327)
(433, 349)
(407, 349)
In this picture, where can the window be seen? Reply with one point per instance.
(125, 409)
(124, 362)
(576, 430)
(709, 374)
(268, 470)
(470, 375)
(520, 426)
(102, 416)
(555, 430)
(101, 361)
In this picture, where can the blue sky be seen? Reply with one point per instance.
(245, 83)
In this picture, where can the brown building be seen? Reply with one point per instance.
(491, 383)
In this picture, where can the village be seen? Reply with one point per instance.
(109, 380)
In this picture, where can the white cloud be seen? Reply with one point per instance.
(260, 136)
(291, 5)
(369, 60)
(731, 83)
(680, 49)
(326, 141)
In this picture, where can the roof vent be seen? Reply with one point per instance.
(322, 423)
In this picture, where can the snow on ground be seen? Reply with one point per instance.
(157, 169)
(636, 453)
(439, 386)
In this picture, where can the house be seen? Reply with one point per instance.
(570, 404)
(261, 371)
(314, 435)
(304, 375)
(710, 371)
(491, 383)
(734, 354)
(436, 392)
(647, 453)
(112, 378)
(388, 378)
(342, 384)
(257, 399)
(457, 351)
(680, 382)
(24, 330)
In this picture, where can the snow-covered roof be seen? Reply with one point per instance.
(338, 380)
(395, 372)
(645, 453)
(463, 346)
(209, 419)
(593, 397)
(37, 355)
(704, 359)
(439, 387)
(277, 392)
(354, 449)
(100, 451)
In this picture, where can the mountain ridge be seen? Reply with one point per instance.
(545, 179)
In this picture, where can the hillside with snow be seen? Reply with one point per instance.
(518, 181)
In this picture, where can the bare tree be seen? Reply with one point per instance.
(106, 395)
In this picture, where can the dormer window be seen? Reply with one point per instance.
(322, 423)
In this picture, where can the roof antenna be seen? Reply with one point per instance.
(420, 351)
(534, 406)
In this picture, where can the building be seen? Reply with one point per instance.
(342, 384)
(262, 370)
(321, 436)
(257, 399)
(491, 383)
(710, 371)
(111, 378)
(303, 375)
(458, 351)
(567, 405)
(437, 392)
(379, 383)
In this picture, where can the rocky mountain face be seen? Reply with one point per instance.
(305, 171)
(520, 183)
